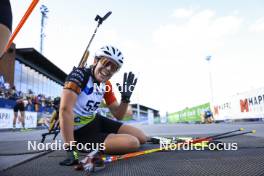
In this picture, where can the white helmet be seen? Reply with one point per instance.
(111, 53)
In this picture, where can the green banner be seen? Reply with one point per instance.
(189, 114)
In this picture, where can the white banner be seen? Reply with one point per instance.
(245, 105)
(7, 116)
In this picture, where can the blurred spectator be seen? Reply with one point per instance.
(2, 81)
(20, 106)
(13, 90)
(29, 106)
(7, 85)
(36, 103)
(207, 117)
(2, 94)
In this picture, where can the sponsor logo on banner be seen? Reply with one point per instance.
(252, 104)
(5, 118)
(222, 107)
(244, 105)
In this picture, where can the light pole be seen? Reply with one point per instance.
(208, 59)
(44, 10)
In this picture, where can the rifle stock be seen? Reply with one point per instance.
(86, 53)
(84, 59)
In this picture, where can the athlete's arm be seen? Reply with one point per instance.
(72, 89)
(68, 99)
(118, 110)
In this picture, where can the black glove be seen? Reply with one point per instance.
(72, 157)
(129, 83)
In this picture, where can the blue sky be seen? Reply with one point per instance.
(164, 42)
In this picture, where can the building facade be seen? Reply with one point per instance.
(30, 71)
(141, 112)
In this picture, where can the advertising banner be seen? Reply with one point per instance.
(7, 116)
(189, 114)
(246, 105)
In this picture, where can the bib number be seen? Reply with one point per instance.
(92, 106)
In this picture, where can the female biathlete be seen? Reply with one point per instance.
(84, 90)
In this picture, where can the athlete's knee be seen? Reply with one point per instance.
(142, 138)
(132, 143)
(117, 144)
(124, 141)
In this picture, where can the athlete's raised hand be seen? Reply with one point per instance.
(128, 87)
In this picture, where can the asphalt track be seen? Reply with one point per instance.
(248, 159)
